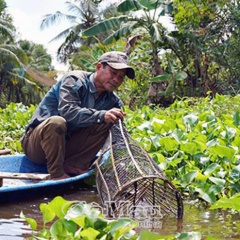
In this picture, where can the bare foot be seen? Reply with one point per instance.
(73, 170)
(64, 176)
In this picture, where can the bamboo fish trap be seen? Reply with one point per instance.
(128, 179)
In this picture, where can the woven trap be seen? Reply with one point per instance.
(128, 180)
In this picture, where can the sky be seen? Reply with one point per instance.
(27, 16)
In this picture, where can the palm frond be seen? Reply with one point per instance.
(22, 79)
(51, 19)
(5, 31)
(104, 26)
(61, 35)
(8, 53)
(116, 35)
(83, 7)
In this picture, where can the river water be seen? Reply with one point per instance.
(218, 224)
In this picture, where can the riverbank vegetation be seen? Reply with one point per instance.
(182, 108)
(178, 48)
(64, 219)
(196, 142)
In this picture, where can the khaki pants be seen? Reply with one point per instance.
(47, 144)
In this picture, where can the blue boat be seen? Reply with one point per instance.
(20, 188)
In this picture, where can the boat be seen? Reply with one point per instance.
(22, 179)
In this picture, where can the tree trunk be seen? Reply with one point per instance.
(157, 89)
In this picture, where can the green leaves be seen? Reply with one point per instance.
(225, 203)
(48, 213)
(161, 78)
(235, 173)
(128, 5)
(236, 118)
(196, 142)
(13, 121)
(89, 234)
(32, 222)
(92, 226)
(168, 144)
(155, 32)
(189, 177)
(133, 5)
(190, 120)
(222, 151)
(75, 220)
(104, 26)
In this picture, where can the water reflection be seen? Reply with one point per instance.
(218, 224)
(13, 229)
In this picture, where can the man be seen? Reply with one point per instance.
(73, 120)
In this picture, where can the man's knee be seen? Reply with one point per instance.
(104, 127)
(57, 124)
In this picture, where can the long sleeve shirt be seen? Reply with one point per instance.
(76, 99)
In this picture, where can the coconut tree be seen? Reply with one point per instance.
(15, 84)
(81, 15)
(8, 49)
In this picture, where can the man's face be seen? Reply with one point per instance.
(107, 78)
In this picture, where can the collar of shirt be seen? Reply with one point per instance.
(92, 86)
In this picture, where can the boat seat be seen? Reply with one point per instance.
(30, 176)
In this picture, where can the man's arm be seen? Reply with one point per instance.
(71, 104)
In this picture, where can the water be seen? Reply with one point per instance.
(218, 224)
(13, 228)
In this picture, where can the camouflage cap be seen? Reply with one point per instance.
(118, 60)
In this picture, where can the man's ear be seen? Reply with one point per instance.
(99, 65)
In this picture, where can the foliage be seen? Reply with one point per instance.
(139, 22)
(193, 47)
(15, 85)
(64, 219)
(8, 49)
(36, 55)
(209, 34)
(87, 58)
(196, 54)
(76, 220)
(228, 203)
(81, 15)
(196, 142)
(13, 122)
(201, 47)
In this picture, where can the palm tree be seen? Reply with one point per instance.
(8, 59)
(82, 15)
(14, 86)
(38, 63)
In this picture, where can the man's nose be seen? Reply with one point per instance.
(118, 79)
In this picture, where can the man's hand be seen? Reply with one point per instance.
(112, 115)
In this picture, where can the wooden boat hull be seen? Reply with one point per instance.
(29, 188)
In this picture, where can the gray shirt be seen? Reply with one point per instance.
(76, 99)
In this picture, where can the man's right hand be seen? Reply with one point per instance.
(112, 115)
